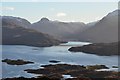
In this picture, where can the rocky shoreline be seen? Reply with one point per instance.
(102, 49)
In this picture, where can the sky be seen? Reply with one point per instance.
(62, 11)
(59, 0)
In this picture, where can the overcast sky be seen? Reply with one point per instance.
(62, 11)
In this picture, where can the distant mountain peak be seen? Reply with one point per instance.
(114, 13)
(44, 19)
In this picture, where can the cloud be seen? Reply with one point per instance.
(7, 8)
(61, 14)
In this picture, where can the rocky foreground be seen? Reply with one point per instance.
(46, 78)
(103, 49)
(77, 72)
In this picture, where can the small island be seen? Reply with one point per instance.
(102, 49)
(16, 62)
(54, 61)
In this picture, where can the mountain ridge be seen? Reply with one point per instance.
(15, 34)
(104, 30)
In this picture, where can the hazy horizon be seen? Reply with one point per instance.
(61, 11)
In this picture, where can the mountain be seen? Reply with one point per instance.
(101, 31)
(105, 30)
(15, 21)
(15, 33)
(60, 30)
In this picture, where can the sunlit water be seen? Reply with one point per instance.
(43, 55)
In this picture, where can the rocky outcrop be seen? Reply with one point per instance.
(94, 67)
(103, 49)
(16, 62)
(77, 71)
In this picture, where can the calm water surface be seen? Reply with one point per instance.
(43, 55)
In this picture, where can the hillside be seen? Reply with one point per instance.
(105, 30)
(14, 33)
(60, 30)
